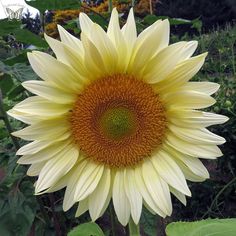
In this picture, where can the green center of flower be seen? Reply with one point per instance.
(116, 123)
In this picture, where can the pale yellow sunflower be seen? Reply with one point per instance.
(115, 117)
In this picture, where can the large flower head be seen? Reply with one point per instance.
(115, 117)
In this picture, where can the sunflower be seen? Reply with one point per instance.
(115, 117)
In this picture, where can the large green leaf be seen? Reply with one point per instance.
(21, 35)
(20, 58)
(8, 26)
(209, 227)
(43, 5)
(20, 71)
(27, 37)
(87, 229)
(6, 83)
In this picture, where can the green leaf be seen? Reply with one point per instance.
(87, 229)
(209, 227)
(43, 5)
(16, 92)
(21, 35)
(6, 84)
(149, 223)
(25, 36)
(20, 58)
(8, 26)
(19, 71)
(16, 216)
(179, 21)
(150, 19)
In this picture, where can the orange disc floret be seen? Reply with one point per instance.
(118, 121)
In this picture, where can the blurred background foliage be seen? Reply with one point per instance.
(211, 22)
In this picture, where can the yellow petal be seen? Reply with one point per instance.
(92, 58)
(201, 151)
(97, 199)
(41, 107)
(70, 40)
(117, 38)
(197, 136)
(160, 66)
(170, 172)
(47, 91)
(187, 100)
(181, 74)
(24, 117)
(43, 155)
(55, 72)
(106, 48)
(86, 24)
(178, 195)
(193, 163)
(157, 187)
(82, 208)
(194, 119)
(202, 87)
(56, 168)
(33, 147)
(189, 175)
(129, 31)
(88, 181)
(35, 169)
(72, 57)
(152, 40)
(133, 194)
(120, 200)
(148, 198)
(46, 130)
(69, 197)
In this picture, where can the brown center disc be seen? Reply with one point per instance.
(118, 121)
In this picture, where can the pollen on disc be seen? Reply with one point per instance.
(118, 121)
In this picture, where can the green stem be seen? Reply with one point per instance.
(113, 223)
(110, 6)
(133, 228)
(7, 122)
(218, 195)
(150, 7)
(233, 59)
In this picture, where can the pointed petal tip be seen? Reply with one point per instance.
(19, 161)
(114, 10)
(226, 118)
(9, 112)
(15, 133)
(59, 27)
(204, 55)
(166, 21)
(29, 54)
